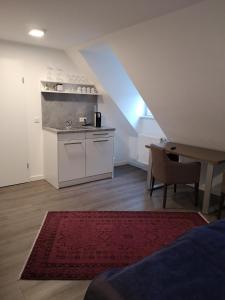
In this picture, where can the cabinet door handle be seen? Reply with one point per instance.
(100, 133)
(100, 141)
(73, 143)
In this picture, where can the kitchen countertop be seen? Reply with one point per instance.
(78, 129)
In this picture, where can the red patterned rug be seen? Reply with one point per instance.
(80, 245)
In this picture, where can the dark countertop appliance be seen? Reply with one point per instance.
(97, 119)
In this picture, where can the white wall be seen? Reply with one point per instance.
(35, 61)
(149, 132)
(111, 115)
(177, 63)
(149, 127)
(115, 82)
(129, 143)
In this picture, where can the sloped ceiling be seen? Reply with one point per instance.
(116, 82)
(177, 62)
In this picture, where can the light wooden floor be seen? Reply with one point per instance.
(23, 207)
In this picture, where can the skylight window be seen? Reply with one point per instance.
(116, 82)
(148, 112)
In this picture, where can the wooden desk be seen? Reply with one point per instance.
(211, 157)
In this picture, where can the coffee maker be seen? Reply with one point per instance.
(97, 119)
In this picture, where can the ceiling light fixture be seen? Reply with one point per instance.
(37, 33)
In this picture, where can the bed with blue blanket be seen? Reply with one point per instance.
(191, 268)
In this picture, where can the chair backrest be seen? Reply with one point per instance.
(223, 184)
(159, 162)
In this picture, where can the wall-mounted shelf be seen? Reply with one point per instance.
(68, 88)
(67, 92)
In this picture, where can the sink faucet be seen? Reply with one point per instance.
(68, 124)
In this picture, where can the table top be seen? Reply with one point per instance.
(212, 156)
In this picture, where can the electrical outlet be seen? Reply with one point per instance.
(82, 119)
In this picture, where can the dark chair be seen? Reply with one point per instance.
(222, 197)
(172, 172)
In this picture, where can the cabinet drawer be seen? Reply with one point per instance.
(71, 159)
(99, 134)
(70, 136)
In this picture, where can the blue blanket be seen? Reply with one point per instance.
(191, 268)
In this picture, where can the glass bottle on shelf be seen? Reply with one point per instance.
(59, 75)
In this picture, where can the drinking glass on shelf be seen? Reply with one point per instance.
(67, 77)
(92, 90)
(82, 77)
(74, 78)
(71, 78)
(59, 75)
(83, 90)
(79, 79)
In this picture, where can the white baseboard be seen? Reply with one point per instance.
(120, 163)
(138, 164)
(36, 177)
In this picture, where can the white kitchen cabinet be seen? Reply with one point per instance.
(99, 156)
(76, 157)
(71, 159)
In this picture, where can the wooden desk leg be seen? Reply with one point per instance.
(149, 170)
(208, 185)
